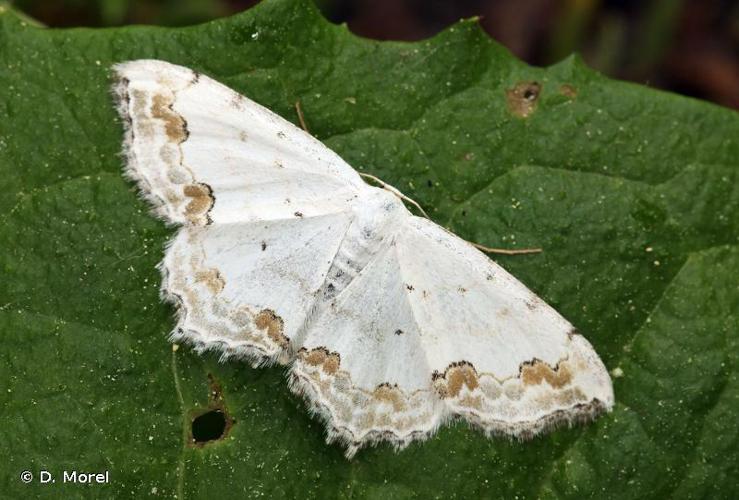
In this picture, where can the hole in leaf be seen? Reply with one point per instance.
(209, 426)
(523, 97)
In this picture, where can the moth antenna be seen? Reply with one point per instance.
(388, 187)
(301, 118)
(502, 251)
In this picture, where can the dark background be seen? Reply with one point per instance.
(686, 46)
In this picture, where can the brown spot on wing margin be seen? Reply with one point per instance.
(463, 373)
(458, 374)
(212, 279)
(268, 320)
(201, 202)
(536, 371)
(320, 356)
(390, 394)
(174, 124)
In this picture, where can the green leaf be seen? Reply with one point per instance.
(633, 193)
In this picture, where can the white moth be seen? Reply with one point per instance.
(390, 325)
